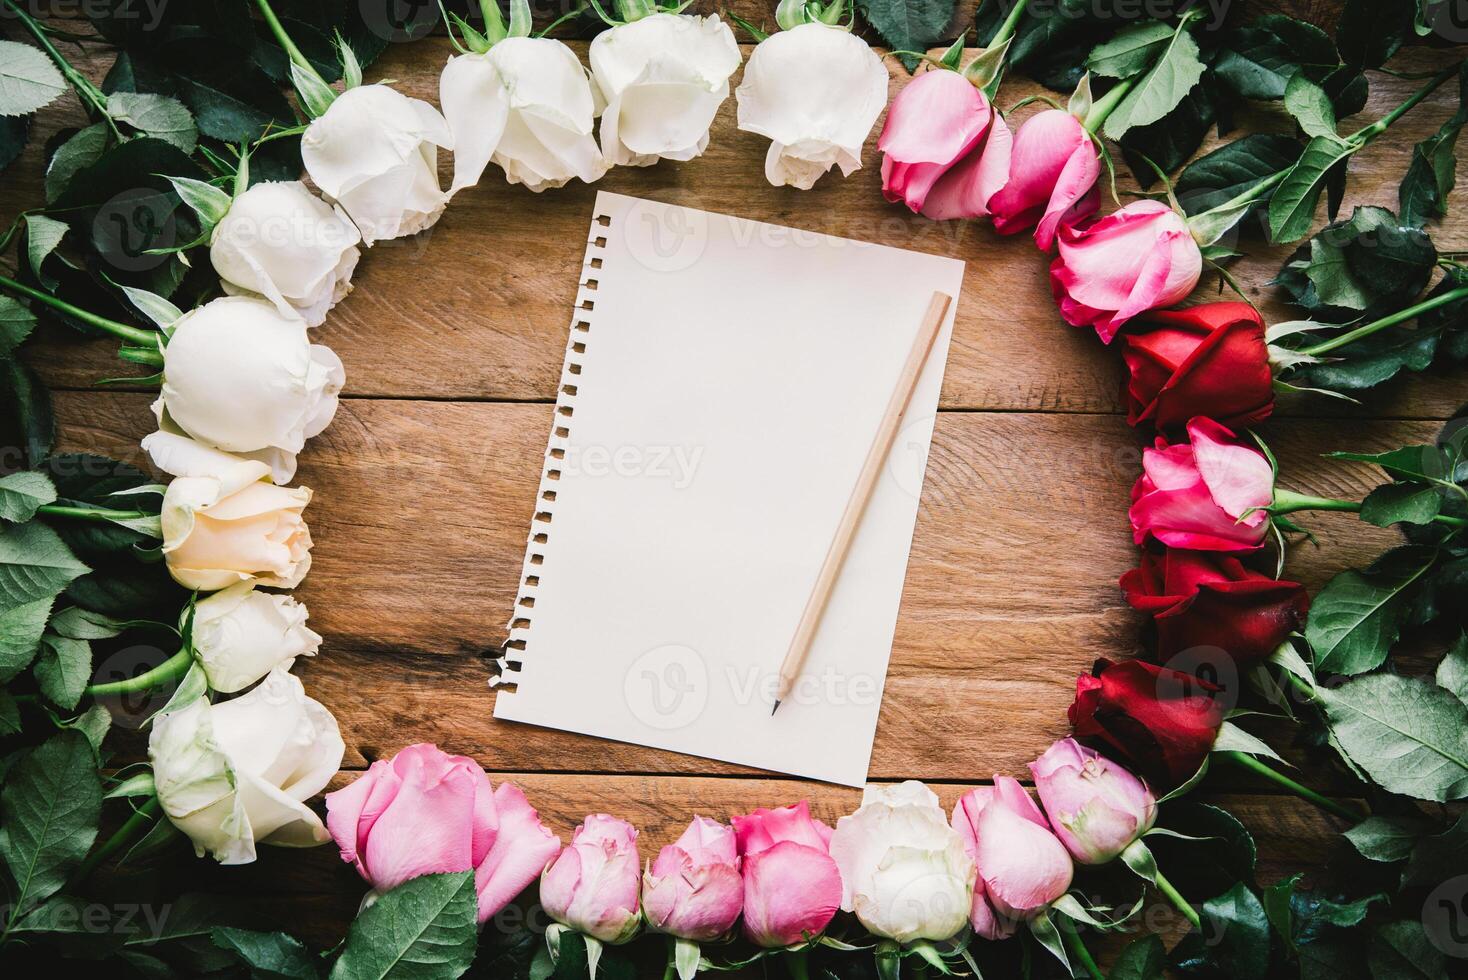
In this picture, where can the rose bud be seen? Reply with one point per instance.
(241, 634)
(280, 242)
(236, 774)
(945, 150)
(1023, 867)
(663, 77)
(904, 871)
(241, 377)
(375, 152)
(1204, 360)
(1160, 722)
(593, 886)
(1051, 178)
(815, 90)
(223, 524)
(1096, 807)
(525, 103)
(693, 890)
(427, 812)
(792, 887)
(1202, 599)
(1207, 495)
(1109, 270)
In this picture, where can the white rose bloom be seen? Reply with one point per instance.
(241, 634)
(525, 104)
(223, 524)
(237, 774)
(240, 376)
(904, 870)
(815, 91)
(283, 243)
(375, 152)
(663, 78)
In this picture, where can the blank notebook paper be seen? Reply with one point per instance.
(722, 385)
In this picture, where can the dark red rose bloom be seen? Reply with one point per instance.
(1202, 599)
(1160, 722)
(1204, 360)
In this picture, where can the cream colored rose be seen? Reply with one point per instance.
(236, 774)
(526, 105)
(223, 523)
(280, 242)
(375, 152)
(241, 376)
(663, 77)
(815, 91)
(240, 634)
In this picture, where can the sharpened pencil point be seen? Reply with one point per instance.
(775, 709)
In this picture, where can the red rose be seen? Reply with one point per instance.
(1199, 599)
(1205, 360)
(1160, 722)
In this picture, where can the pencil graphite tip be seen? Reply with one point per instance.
(775, 709)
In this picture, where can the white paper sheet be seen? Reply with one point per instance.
(723, 383)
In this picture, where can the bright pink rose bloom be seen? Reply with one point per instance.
(1023, 866)
(593, 886)
(428, 812)
(1196, 495)
(1095, 807)
(694, 890)
(945, 150)
(1139, 258)
(1051, 180)
(792, 887)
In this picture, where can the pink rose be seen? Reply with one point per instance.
(593, 886)
(1096, 807)
(694, 890)
(1139, 258)
(1051, 180)
(1023, 867)
(945, 150)
(792, 887)
(1196, 495)
(428, 812)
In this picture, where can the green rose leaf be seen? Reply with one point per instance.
(1432, 174)
(1142, 959)
(156, 115)
(1385, 839)
(1406, 733)
(9, 714)
(28, 79)
(1292, 208)
(1401, 503)
(63, 669)
(1237, 943)
(269, 955)
(22, 493)
(26, 419)
(13, 133)
(424, 928)
(42, 235)
(1358, 616)
(1311, 107)
(34, 564)
(1452, 670)
(1402, 951)
(84, 148)
(1437, 858)
(16, 324)
(910, 25)
(1131, 51)
(1177, 69)
(1259, 60)
(21, 628)
(1232, 169)
(51, 803)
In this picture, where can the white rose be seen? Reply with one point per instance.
(527, 105)
(240, 635)
(241, 376)
(904, 870)
(281, 242)
(223, 524)
(236, 774)
(375, 152)
(663, 78)
(816, 91)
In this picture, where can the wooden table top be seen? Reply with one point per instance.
(425, 485)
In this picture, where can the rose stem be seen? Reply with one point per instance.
(79, 82)
(282, 38)
(1401, 316)
(1304, 792)
(1103, 106)
(1073, 942)
(1287, 502)
(1176, 898)
(143, 817)
(1369, 133)
(175, 666)
(92, 513)
(795, 963)
(133, 335)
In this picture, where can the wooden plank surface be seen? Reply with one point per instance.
(425, 484)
